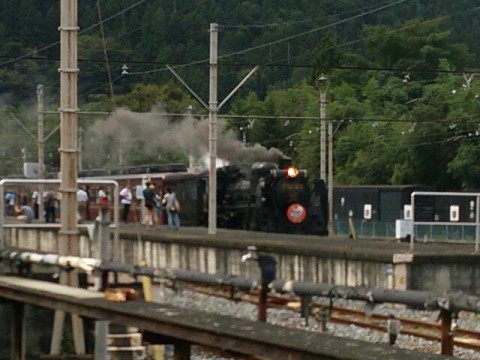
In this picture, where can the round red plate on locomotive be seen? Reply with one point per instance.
(296, 213)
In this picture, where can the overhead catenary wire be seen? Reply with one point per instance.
(290, 22)
(280, 40)
(324, 66)
(41, 49)
(404, 28)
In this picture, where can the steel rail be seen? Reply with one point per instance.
(344, 316)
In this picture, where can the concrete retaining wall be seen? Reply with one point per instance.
(403, 272)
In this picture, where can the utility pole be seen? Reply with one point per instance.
(213, 108)
(68, 238)
(331, 227)
(191, 162)
(212, 131)
(80, 145)
(68, 127)
(321, 83)
(41, 152)
(41, 149)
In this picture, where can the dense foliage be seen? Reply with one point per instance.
(403, 93)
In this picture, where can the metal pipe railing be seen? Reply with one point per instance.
(452, 301)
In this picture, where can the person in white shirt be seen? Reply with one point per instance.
(126, 200)
(82, 199)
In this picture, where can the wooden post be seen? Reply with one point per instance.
(182, 351)
(262, 303)
(18, 332)
(305, 308)
(446, 334)
(102, 247)
(158, 350)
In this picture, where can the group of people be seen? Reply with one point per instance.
(154, 205)
(83, 201)
(27, 211)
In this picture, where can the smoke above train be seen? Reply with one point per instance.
(114, 141)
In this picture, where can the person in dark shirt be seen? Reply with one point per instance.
(50, 202)
(150, 204)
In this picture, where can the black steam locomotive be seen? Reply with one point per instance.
(272, 199)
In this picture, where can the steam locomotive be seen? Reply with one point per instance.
(268, 198)
(273, 199)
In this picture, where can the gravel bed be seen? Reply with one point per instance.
(282, 317)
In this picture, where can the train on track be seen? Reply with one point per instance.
(269, 197)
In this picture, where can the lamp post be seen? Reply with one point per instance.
(322, 85)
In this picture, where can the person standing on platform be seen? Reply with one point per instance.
(82, 199)
(36, 201)
(50, 202)
(10, 203)
(150, 204)
(102, 201)
(173, 207)
(126, 200)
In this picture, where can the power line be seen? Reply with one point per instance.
(403, 28)
(335, 67)
(383, 7)
(270, 64)
(291, 22)
(79, 33)
(280, 40)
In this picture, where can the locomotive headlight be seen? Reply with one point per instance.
(292, 172)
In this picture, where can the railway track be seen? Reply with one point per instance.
(465, 338)
(428, 330)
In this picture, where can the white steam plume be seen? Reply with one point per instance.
(156, 134)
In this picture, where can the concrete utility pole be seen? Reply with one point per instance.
(41, 148)
(80, 145)
(321, 83)
(212, 131)
(68, 127)
(213, 107)
(41, 152)
(331, 227)
(68, 234)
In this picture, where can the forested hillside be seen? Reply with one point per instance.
(403, 93)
